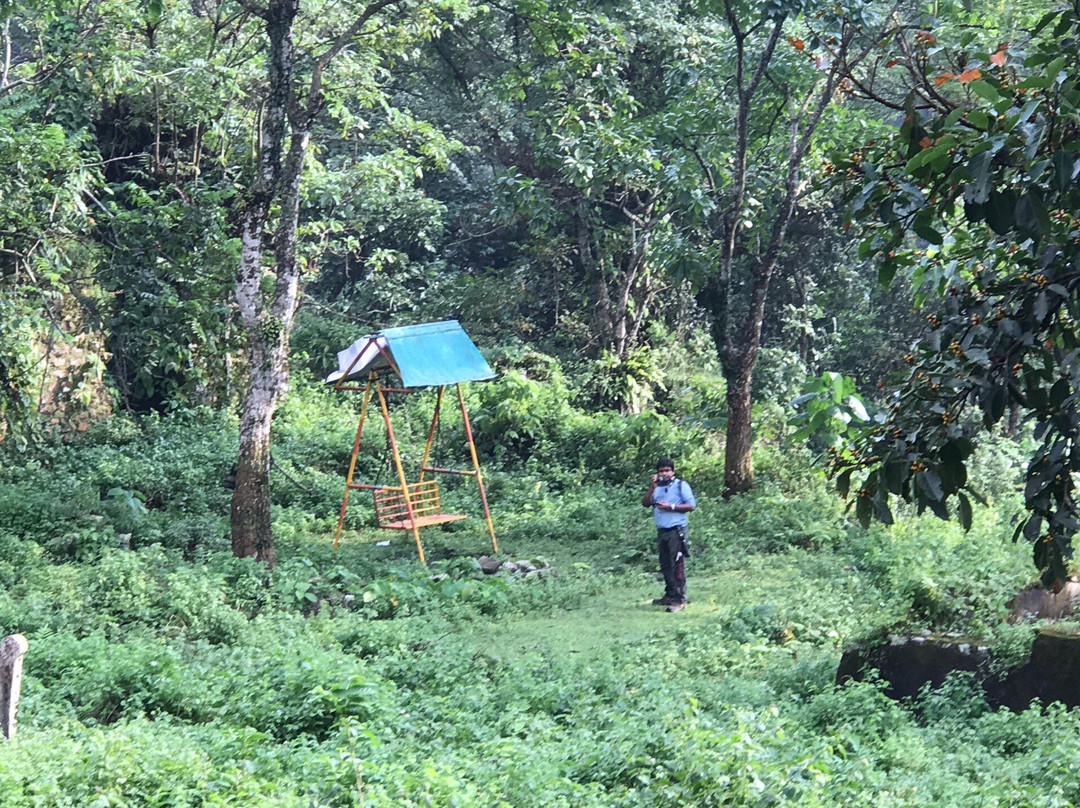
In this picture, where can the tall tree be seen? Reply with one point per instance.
(296, 94)
(557, 97)
(584, 171)
(50, 180)
(631, 155)
(784, 78)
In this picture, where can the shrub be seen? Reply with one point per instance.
(770, 519)
(103, 680)
(144, 763)
(18, 558)
(305, 686)
(42, 505)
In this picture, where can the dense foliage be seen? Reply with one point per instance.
(983, 172)
(628, 206)
(555, 175)
(164, 671)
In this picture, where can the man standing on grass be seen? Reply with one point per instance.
(671, 499)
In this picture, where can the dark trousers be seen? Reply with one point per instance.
(671, 545)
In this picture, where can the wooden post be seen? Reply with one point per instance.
(401, 472)
(12, 650)
(476, 466)
(431, 432)
(352, 463)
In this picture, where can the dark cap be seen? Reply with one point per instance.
(665, 463)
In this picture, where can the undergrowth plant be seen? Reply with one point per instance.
(163, 671)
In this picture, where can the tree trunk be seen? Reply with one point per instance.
(288, 122)
(267, 371)
(738, 460)
(622, 285)
(737, 334)
(267, 327)
(250, 512)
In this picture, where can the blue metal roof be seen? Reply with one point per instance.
(429, 354)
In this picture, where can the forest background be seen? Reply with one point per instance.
(756, 237)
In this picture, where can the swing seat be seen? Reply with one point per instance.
(392, 509)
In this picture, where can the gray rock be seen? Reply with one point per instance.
(908, 664)
(1037, 602)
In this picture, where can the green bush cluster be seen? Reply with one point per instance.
(128, 482)
(942, 577)
(524, 422)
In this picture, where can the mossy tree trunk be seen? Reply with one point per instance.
(290, 111)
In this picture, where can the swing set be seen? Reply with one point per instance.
(420, 356)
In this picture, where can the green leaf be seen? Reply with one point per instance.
(985, 89)
(952, 452)
(895, 474)
(801, 434)
(1064, 170)
(938, 508)
(863, 510)
(1000, 211)
(978, 118)
(1036, 83)
(1040, 553)
(973, 211)
(930, 484)
(925, 156)
(924, 231)
(857, 408)
(979, 167)
(953, 474)
(1044, 21)
(843, 482)
(882, 511)
(838, 386)
(1054, 68)
(1059, 392)
(887, 271)
(963, 510)
(1037, 397)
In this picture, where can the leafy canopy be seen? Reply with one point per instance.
(983, 170)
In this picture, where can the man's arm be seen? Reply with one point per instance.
(686, 494)
(647, 499)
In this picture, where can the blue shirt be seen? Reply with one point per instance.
(677, 492)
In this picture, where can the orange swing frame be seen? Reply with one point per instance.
(409, 506)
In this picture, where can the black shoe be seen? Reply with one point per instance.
(665, 601)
